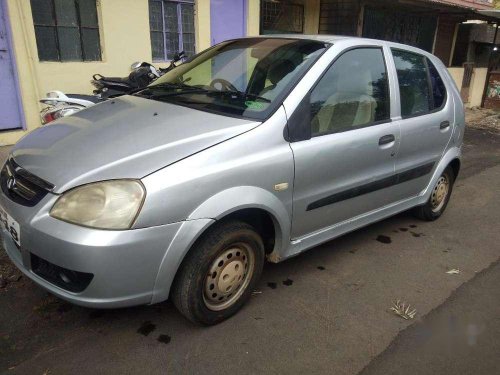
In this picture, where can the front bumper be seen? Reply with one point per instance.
(123, 265)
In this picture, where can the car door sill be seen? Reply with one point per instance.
(313, 239)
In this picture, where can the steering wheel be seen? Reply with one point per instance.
(225, 85)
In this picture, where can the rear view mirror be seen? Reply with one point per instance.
(135, 65)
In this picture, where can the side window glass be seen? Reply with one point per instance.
(353, 93)
(413, 83)
(438, 87)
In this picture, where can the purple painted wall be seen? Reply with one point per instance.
(227, 19)
(10, 110)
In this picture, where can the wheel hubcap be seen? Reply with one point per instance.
(439, 193)
(228, 277)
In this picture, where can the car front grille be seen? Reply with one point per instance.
(21, 186)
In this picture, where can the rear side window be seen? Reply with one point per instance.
(353, 93)
(421, 88)
(438, 87)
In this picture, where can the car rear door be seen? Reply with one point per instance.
(427, 117)
(344, 142)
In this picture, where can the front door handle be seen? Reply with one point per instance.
(444, 125)
(389, 138)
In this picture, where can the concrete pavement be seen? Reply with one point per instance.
(326, 311)
(461, 336)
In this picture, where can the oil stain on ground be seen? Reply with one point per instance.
(383, 239)
(321, 268)
(403, 229)
(414, 234)
(272, 285)
(288, 282)
(146, 328)
(164, 339)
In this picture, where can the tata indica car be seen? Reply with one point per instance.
(257, 148)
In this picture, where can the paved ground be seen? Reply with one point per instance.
(461, 336)
(333, 318)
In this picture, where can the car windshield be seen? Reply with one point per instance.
(245, 77)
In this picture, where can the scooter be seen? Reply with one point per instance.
(61, 105)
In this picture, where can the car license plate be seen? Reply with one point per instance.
(11, 226)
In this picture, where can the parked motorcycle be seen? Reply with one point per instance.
(143, 73)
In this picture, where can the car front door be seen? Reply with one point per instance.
(427, 116)
(344, 142)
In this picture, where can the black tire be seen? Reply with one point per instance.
(191, 282)
(427, 212)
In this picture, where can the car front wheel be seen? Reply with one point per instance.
(219, 273)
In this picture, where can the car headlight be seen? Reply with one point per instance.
(112, 204)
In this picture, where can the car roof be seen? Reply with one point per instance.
(319, 37)
(336, 38)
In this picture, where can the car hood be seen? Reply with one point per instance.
(128, 137)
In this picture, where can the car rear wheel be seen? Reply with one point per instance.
(219, 273)
(440, 196)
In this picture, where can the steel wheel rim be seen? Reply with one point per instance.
(228, 277)
(439, 193)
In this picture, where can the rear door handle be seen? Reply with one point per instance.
(444, 125)
(389, 138)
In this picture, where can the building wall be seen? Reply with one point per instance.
(253, 17)
(458, 75)
(477, 84)
(124, 32)
(478, 81)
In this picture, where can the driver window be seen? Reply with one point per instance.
(352, 94)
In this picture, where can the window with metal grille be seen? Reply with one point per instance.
(66, 30)
(281, 17)
(400, 25)
(171, 25)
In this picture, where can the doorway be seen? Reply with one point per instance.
(11, 117)
(227, 19)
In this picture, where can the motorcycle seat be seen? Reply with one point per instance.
(116, 80)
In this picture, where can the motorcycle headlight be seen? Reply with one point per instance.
(112, 204)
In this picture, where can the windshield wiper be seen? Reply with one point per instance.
(239, 94)
(149, 92)
(171, 85)
(187, 89)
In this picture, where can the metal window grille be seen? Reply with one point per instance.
(399, 25)
(281, 17)
(66, 30)
(171, 28)
(339, 17)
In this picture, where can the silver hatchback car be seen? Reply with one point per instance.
(255, 148)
